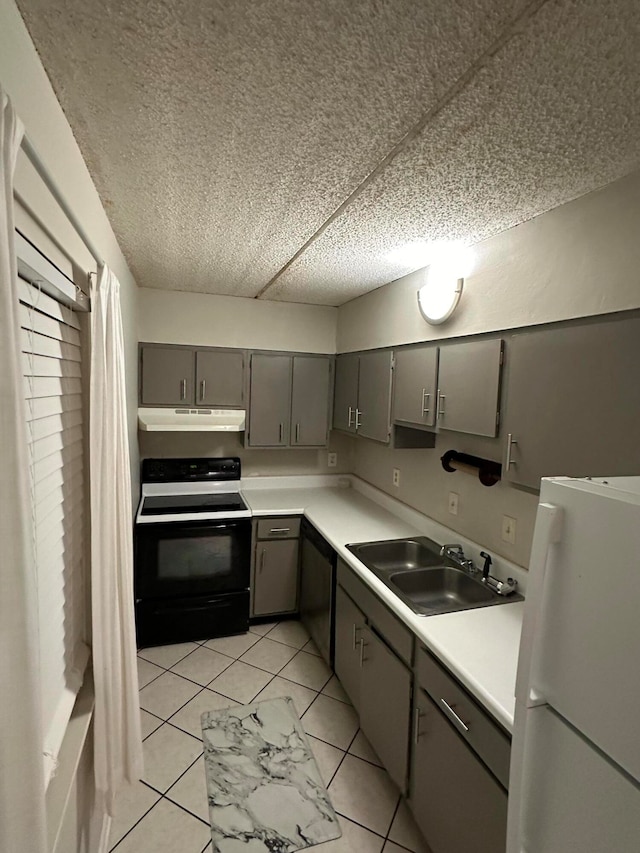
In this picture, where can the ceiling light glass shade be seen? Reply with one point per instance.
(438, 298)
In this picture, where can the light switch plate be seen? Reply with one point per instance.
(509, 529)
(453, 503)
(396, 477)
(332, 460)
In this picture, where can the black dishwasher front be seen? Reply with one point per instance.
(318, 589)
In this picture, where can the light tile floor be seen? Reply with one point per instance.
(166, 812)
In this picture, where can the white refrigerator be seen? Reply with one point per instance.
(575, 762)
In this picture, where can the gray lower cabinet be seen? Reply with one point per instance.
(270, 407)
(220, 378)
(362, 400)
(456, 802)
(350, 623)
(166, 376)
(573, 402)
(415, 385)
(275, 577)
(311, 384)
(385, 705)
(469, 387)
(372, 674)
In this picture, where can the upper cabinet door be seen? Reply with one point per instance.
(345, 400)
(269, 412)
(310, 401)
(415, 385)
(573, 402)
(220, 378)
(469, 387)
(166, 376)
(374, 395)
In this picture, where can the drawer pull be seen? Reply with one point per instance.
(280, 530)
(453, 716)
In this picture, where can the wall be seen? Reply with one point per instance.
(205, 320)
(24, 79)
(578, 260)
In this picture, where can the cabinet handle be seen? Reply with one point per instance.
(355, 636)
(280, 530)
(417, 713)
(425, 397)
(358, 421)
(280, 433)
(510, 442)
(262, 558)
(350, 414)
(362, 645)
(183, 389)
(453, 716)
(297, 433)
(203, 388)
(441, 399)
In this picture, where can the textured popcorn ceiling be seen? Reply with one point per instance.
(282, 148)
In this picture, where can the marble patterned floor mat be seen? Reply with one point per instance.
(263, 785)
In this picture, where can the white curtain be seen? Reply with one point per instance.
(118, 743)
(22, 805)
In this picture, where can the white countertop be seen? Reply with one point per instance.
(480, 646)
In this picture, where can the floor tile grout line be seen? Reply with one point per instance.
(393, 817)
(119, 842)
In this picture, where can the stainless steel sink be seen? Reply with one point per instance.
(441, 589)
(414, 570)
(398, 554)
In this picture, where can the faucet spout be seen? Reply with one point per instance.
(487, 564)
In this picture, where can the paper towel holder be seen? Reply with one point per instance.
(488, 471)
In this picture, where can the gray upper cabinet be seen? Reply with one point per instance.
(166, 376)
(270, 409)
(345, 400)
(362, 402)
(220, 378)
(310, 388)
(415, 385)
(290, 400)
(186, 376)
(573, 402)
(374, 395)
(469, 387)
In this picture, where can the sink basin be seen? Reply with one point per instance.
(398, 554)
(441, 590)
(428, 583)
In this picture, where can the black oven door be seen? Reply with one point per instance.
(181, 559)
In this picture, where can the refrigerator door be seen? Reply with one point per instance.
(572, 799)
(583, 655)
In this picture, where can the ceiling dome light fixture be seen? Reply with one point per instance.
(439, 295)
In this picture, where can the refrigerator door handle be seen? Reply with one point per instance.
(548, 532)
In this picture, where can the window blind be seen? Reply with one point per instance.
(52, 355)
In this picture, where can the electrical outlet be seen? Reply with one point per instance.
(453, 503)
(396, 477)
(509, 529)
(332, 460)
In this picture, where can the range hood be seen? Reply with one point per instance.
(191, 420)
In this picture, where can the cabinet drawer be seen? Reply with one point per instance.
(389, 626)
(482, 734)
(279, 528)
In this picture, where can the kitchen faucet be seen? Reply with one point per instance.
(455, 552)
